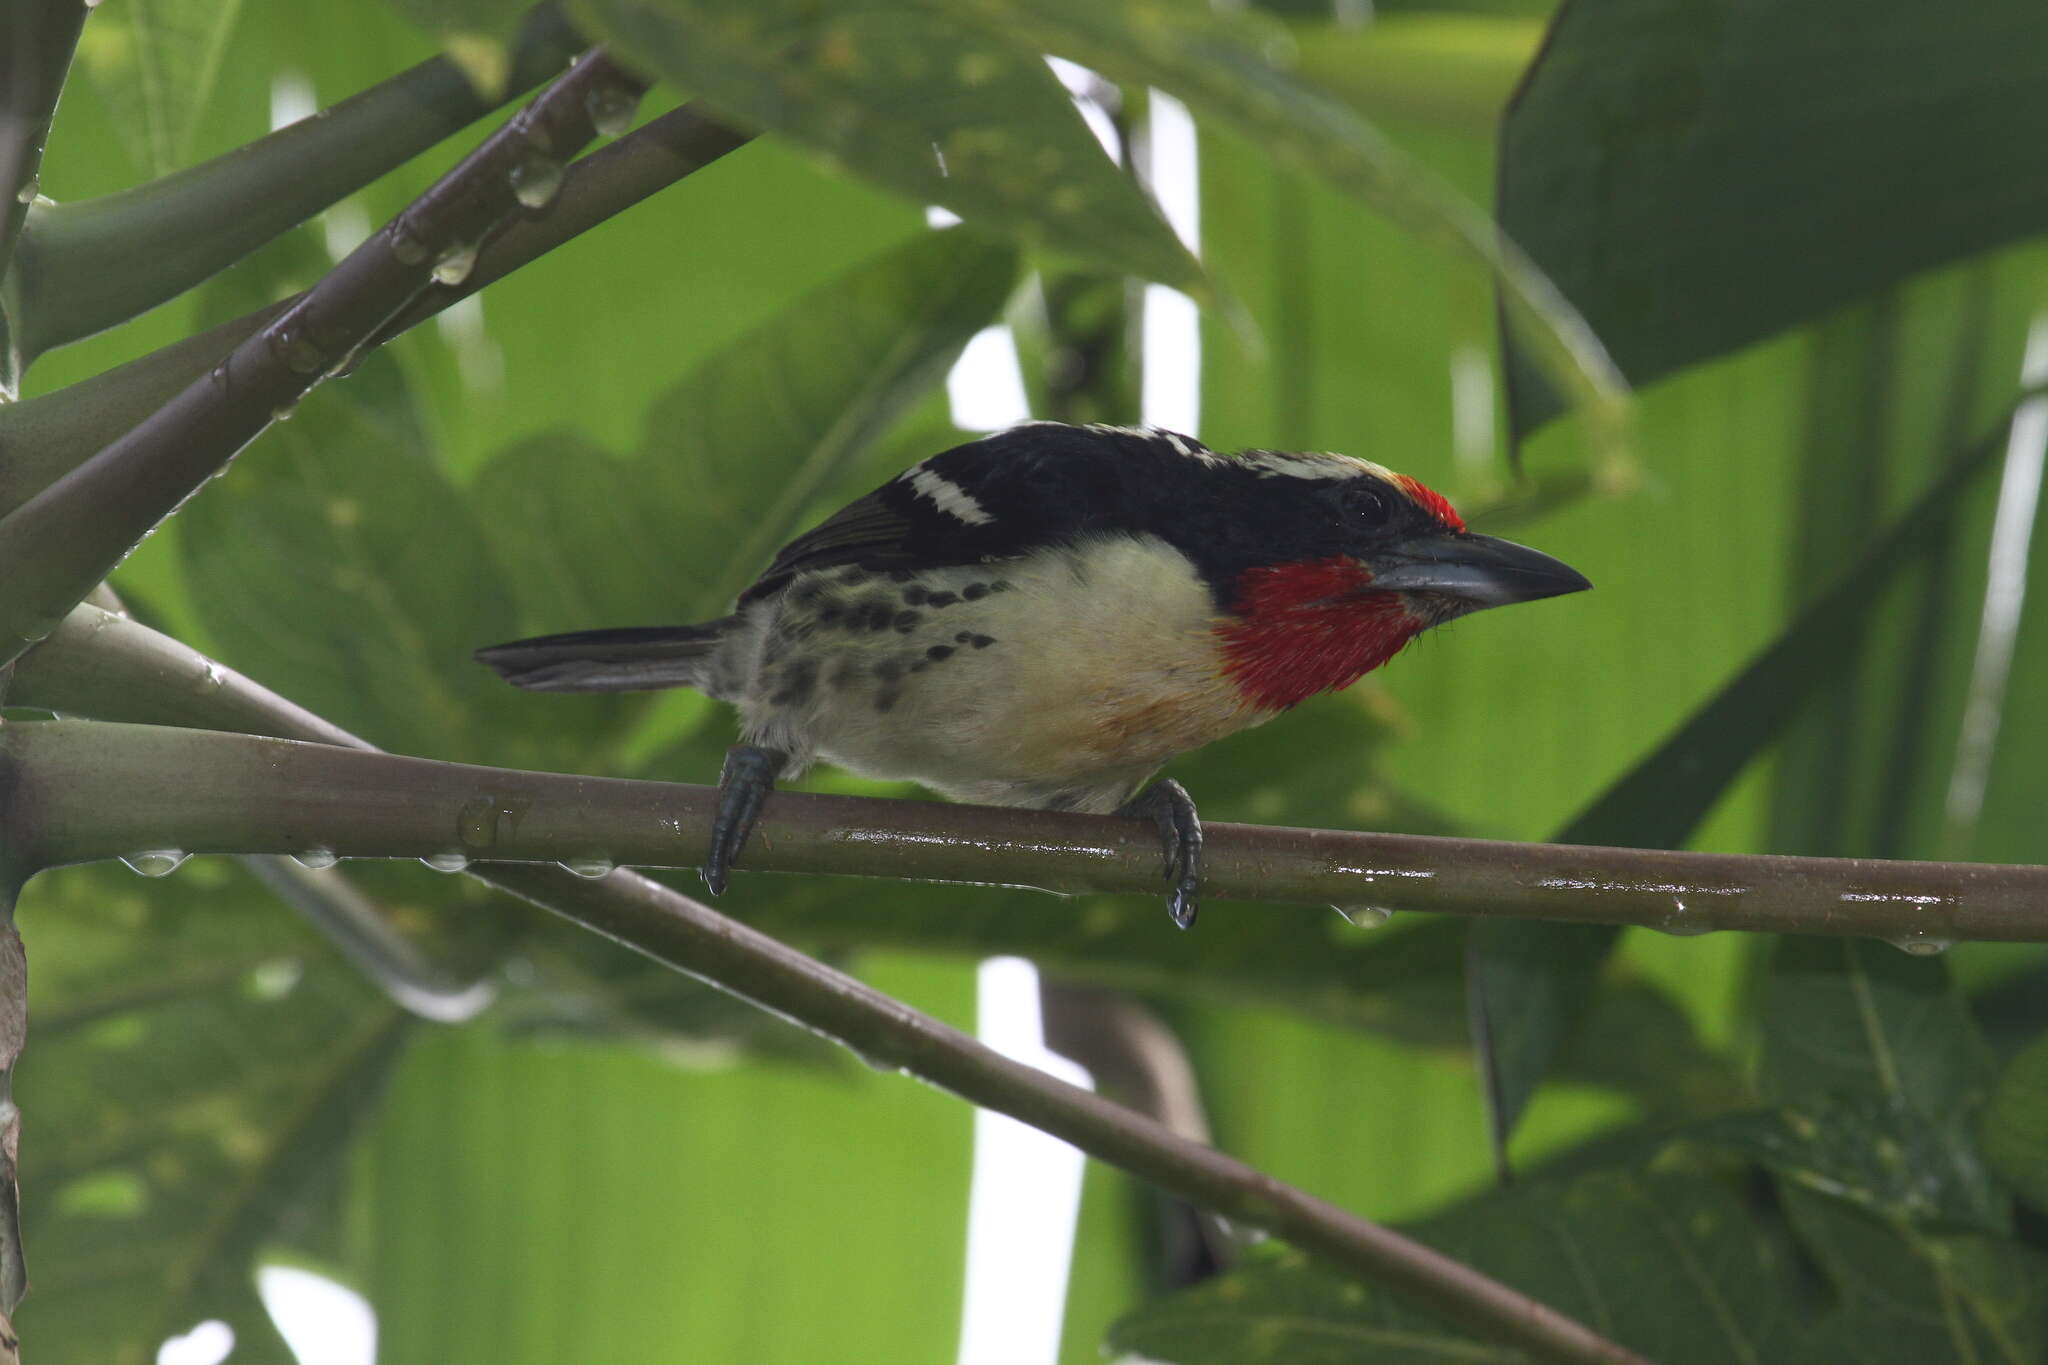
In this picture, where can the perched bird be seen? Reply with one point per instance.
(1046, 616)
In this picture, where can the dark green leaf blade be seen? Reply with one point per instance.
(916, 101)
(753, 436)
(1670, 1265)
(1531, 980)
(198, 1066)
(1848, 1017)
(1222, 72)
(2015, 1124)
(156, 62)
(336, 564)
(1698, 174)
(735, 452)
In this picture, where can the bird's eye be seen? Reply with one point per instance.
(1369, 504)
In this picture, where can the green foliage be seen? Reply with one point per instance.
(1827, 109)
(1802, 1154)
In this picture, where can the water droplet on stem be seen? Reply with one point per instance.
(316, 858)
(448, 860)
(1365, 916)
(455, 264)
(535, 180)
(1922, 945)
(590, 867)
(611, 109)
(155, 862)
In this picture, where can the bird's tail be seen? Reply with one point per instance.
(632, 659)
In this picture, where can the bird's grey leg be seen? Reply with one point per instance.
(1168, 805)
(749, 775)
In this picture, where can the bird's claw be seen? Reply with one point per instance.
(1168, 805)
(743, 785)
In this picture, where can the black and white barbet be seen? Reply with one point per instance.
(1046, 616)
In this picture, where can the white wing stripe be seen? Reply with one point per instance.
(950, 497)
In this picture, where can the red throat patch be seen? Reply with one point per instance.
(1309, 628)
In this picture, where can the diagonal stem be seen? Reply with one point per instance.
(92, 263)
(44, 438)
(57, 546)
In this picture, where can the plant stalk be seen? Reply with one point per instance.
(44, 438)
(55, 773)
(65, 540)
(89, 791)
(92, 263)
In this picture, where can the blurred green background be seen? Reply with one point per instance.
(615, 1165)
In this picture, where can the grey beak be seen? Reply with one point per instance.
(1480, 570)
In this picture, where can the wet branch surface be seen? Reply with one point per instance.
(104, 664)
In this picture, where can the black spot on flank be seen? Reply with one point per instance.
(885, 700)
(981, 641)
(974, 592)
(843, 673)
(915, 595)
(829, 614)
(889, 670)
(942, 599)
(939, 652)
(876, 614)
(853, 576)
(905, 621)
(798, 680)
(963, 637)
(1000, 585)
(806, 592)
(900, 575)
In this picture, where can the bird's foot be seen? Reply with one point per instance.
(1168, 805)
(749, 775)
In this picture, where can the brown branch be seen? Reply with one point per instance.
(102, 663)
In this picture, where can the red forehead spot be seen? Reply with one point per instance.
(1301, 629)
(1431, 501)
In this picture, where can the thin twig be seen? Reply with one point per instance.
(101, 261)
(58, 545)
(44, 438)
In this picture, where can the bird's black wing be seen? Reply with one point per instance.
(996, 498)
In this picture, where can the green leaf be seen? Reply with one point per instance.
(1531, 980)
(336, 564)
(477, 35)
(1849, 1017)
(1440, 69)
(2014, 1127)
(735, 455)
(198, 1066)
(920, 102)
(522, 1204)
(1697, 174)
(1222, 72)
(1869, 1151)
(156, 62)
(1851, 1026)
(1913, 1296)
(751, 438)
(1670, 1265)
